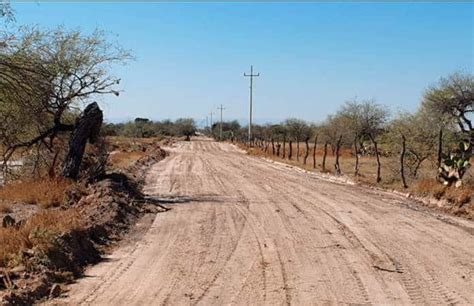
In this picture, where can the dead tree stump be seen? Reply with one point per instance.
(87, 128)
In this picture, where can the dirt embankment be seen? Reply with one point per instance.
(101, 212)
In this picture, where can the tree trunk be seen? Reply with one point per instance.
(278, 149)
(290, 150)
(440, 146)
(297, 149)
(284, 148)
(417, 167)
(356, 154)
(362, 148)
(324, 156)
(273, 147)
(402, 165)
(314, 151)
(307, 151)
(87, 128)
(52, 169)
(379, 178)
(337, 166)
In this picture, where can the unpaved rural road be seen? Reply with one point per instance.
(247, 231)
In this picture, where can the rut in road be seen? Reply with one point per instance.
(247, 231)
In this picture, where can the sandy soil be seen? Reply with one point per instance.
(243, 230)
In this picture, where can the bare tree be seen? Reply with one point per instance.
(326, 134)
(373, 120)
(337, 166)
(290, 150)
(298, 130)
(453, 97)
(323, 165)
(335, 131)
(45, 78)
(419, 137)
(278, 133)
(315, 145)
(306, 153)
(402, 161)
(353, 121)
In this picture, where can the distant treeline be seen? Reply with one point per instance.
(144, 128)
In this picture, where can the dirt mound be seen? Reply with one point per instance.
(106, 209)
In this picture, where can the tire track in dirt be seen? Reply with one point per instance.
(358, 286)
(241, 200)
(396, 265)
(246, 231)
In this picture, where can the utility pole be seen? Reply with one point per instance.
(220, 132)
(207, 121)
(211, 119)
(251, 76)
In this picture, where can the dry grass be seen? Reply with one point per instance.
(46, 193)
(5, 208)
(121, 160)
(459, 196)
(130, 144)
(126, 151)
(38, 235)
(428, 187)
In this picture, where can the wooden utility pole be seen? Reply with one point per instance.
(251, 76)
(211, 113)
(220, 131)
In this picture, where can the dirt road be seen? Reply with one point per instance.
(246, 231)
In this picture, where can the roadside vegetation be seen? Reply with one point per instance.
(426, 153)
(69, 183)
(46, 193)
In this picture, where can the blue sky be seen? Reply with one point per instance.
(190, 57)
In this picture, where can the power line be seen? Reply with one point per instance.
(220, 132)
(251, 76)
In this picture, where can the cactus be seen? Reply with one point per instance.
(454, 166)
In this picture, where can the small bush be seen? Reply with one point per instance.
(459, 196)
(430, 187)
(46, 193)
(464, 197)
